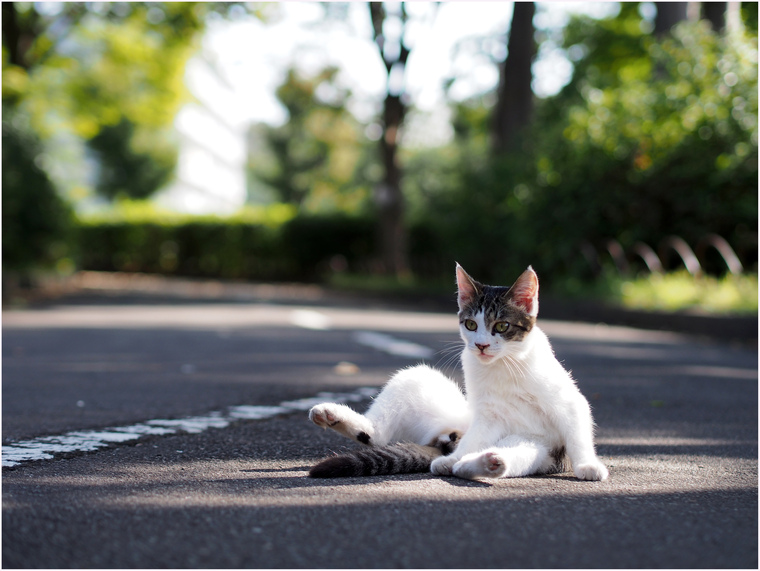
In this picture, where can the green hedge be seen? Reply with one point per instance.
(299, 249)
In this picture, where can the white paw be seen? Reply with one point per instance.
(494, 464)
(322, 416)
(595, 471)
(487, 464)
(442, 465)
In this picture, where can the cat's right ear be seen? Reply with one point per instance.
(467, 289)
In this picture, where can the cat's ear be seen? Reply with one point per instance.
(467, 288)
(524, 292)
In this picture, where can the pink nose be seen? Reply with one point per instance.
(481, 347)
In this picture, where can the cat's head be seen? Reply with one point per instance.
(495, 321)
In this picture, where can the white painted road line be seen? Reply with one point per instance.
(310, 319)
(392, 345)
(46, 447)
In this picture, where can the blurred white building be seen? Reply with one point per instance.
(211, 169)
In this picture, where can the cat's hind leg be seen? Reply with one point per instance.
(344, 420)
(512, 458)
(446, 441)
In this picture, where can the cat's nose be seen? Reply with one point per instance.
(482, 347)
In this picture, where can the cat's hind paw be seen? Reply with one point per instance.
(447, 441)
(344, 420)
(594, 471)
(322, 416)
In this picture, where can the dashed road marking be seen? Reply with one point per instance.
(46, 447)
(392, 345)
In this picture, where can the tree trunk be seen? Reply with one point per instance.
(514, 105)
(668, 15)
(389, 199)
(12, 34)
(715, 12)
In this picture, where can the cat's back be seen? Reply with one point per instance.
(414, 386)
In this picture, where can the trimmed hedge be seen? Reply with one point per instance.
(299, 249)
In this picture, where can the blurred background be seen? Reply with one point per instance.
(613, 146)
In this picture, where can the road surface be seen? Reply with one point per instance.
(676, 416)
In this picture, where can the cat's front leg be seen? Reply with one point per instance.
(594, 471)
(443, 465)
(344, 420)
(579, 441)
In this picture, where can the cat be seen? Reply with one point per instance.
(523, 413)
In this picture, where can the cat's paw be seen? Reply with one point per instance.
(442, 465)
(447, 441)
(322, 416)
(489, 464)
(344, 420)
(595, 471)
(494, 464)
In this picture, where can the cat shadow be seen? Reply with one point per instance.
(306, 480)
(276, 470)
(462, 483)
(364, 480)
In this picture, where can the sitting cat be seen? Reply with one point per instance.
(523, 413)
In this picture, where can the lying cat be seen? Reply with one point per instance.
(523, 413)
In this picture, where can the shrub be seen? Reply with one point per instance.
(245, 246)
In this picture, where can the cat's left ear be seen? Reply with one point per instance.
(524, 292)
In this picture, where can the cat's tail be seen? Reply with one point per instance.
(401, 458)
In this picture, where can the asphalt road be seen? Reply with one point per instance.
(676, 416)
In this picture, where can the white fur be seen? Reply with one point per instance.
(418, 404)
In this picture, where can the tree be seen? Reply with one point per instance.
(388, 196)
(130, 164)
(88, 67)
(100, 71)
(514, 103)
(316, 155)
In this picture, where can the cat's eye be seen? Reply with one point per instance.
(501, 327)
(470, 325)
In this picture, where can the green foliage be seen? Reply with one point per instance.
(316, 159)
(257, 243)
(658, 140)
(36, 221)
(132, 163)
(672, 151)
(109, 73)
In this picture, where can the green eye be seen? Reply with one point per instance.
(470, 325)
(501, 327)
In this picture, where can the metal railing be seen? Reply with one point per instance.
(669, 249)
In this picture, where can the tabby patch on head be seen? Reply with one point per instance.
(509, 312)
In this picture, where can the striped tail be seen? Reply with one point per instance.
(401, 458)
